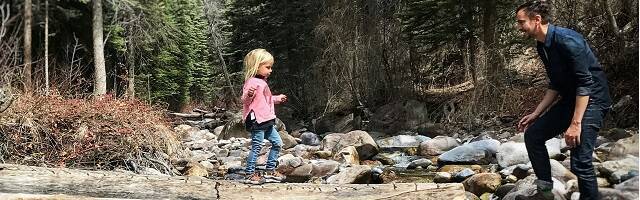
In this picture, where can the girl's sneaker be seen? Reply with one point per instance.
(274, 175)
(255, 179)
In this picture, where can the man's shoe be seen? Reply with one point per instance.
(275, 175)
(538, 195)
(255, 179)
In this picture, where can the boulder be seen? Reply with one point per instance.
(299, 174)
(402, 141)
(288, 141)
(560, 172)
(442, 177)
(358, 174)
(479, 152)
(195, 169)
(629, 187)
(619, 149)
(482, 183)
(438, 145)
(323, 154)
(463, 175)
(304, 151)
(526, 187)
(364, 144)
(503, 190)
(422, 163)
(512, 153)
(321, 168)
(620, 170)
(348, 156)
(310, 138)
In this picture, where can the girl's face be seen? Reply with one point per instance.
(265, 68)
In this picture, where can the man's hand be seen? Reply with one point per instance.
(572, 135)
(251, 92)
(526, 121)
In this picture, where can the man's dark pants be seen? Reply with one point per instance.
(554, 123)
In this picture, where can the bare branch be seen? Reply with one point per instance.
(4, 18)
(612, 20)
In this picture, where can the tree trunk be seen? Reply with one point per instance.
(489, 33)
(100, 82)
(28, 19)
(214, 42)
(131, 75)
(613, 24)
(46, 47)
(469, 44)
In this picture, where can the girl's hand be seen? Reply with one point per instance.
(283, 98)
(251, 92)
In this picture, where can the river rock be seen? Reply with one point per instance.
(479, 184)
(526, 187)
(438, 145)
(422, 163)
(560, 172)
(402, 141)
(287, 140)
(480, 152)
(310, 138)
(512, 153)
(348, 156)
(464, 174)
(442, 177)
(620, 170)
(321, 167)
(358, 174)
(364, 144)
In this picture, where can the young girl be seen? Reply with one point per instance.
(259, 115)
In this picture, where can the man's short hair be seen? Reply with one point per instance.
(537, 7)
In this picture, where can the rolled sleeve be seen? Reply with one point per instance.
(576, 49)
(277, 99)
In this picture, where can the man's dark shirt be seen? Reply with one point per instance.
(572, 68)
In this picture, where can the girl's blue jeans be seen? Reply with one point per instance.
(257, 136)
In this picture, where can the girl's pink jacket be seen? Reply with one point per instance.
(262, 102)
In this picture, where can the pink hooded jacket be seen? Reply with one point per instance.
(262, 102)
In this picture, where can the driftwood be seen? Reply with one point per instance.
(25, 182)
(200, 114)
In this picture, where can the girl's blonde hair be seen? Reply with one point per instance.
(252, 61)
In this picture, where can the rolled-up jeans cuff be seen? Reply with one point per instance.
(543, 185)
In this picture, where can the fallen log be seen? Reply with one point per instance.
(198, 115)
(26, 182)
(217, 113)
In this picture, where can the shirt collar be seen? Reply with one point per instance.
(551, 30)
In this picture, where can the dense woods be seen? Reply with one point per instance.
(462, 57)
(377, 92)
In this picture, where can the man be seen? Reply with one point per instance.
(577, 78)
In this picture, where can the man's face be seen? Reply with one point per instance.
(526, 24)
